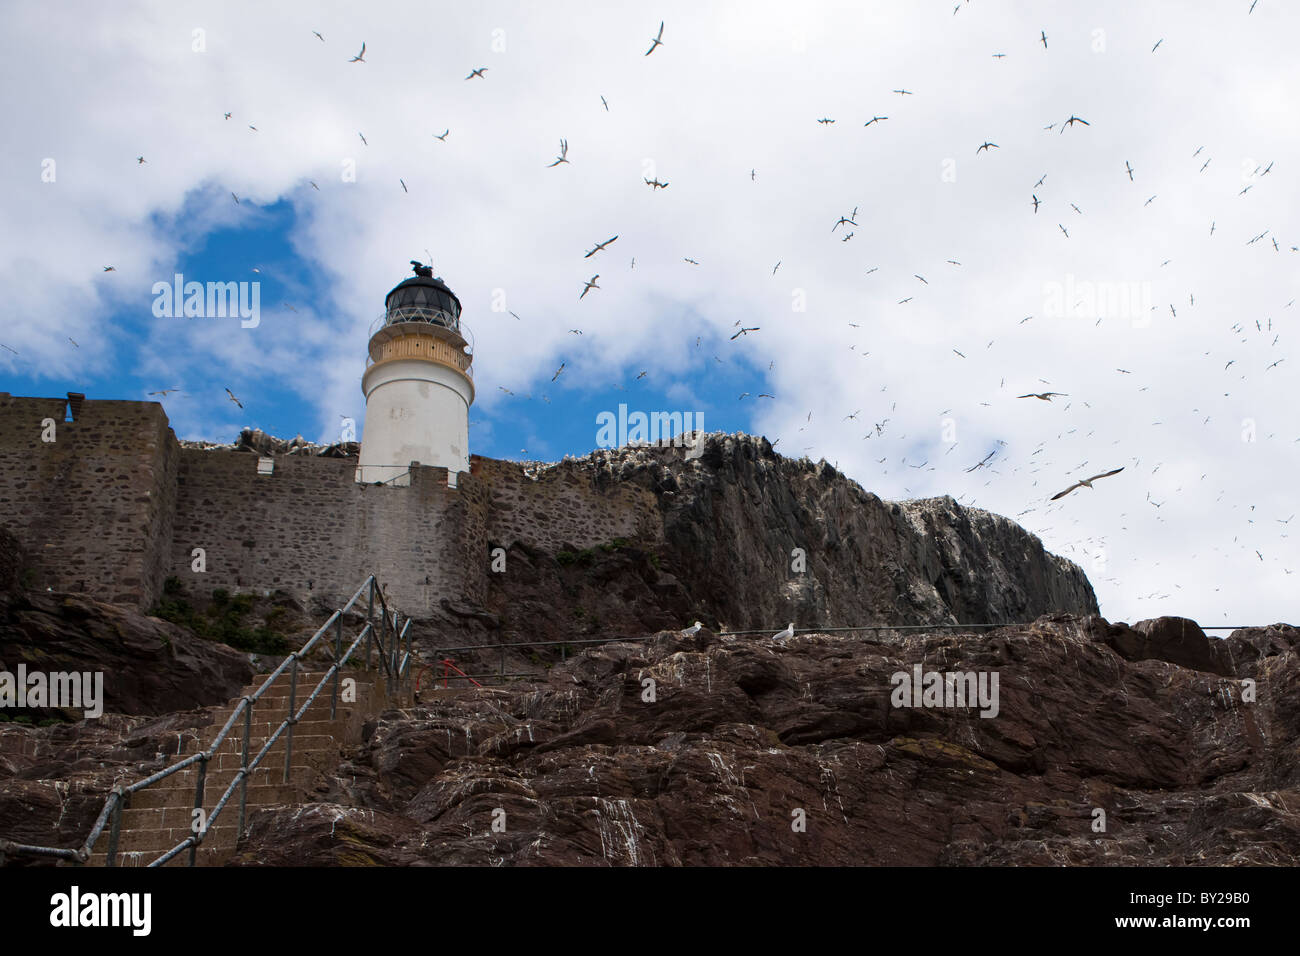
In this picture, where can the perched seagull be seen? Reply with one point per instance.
(443, 137)
(479, 73)
(1045, 396)
(692, 630)
(233, 399)
(656, 184)
(657, 41)
(599, 246)
(590, 285)
(557, 372)
(360, 57)
(564, 152)
(786, 634)
(1085, 483)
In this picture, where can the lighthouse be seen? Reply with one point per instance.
(418, 384)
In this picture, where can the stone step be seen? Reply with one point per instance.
(206, 856)
(163, 839)
(259, 794)
(263, 729)
(277, 708)
(234, 746)
(181, 792)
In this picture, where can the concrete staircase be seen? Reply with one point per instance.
(159, 817)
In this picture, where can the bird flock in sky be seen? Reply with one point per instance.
(844, 227)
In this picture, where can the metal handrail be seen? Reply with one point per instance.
(117, 797)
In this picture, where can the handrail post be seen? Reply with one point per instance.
(293, 709)
(383, 644)
(116, 831)
(198, 802)
(243, 765)
(338, 653)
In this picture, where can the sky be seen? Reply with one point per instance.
(1142, 261)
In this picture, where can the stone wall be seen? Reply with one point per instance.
(563, 508)
(92, 507)
(309, 529)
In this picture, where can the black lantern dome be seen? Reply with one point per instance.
(423, 299)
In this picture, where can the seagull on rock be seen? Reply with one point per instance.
(692, 630)
(784, 635)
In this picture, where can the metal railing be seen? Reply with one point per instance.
(395, 662)
(416, 313)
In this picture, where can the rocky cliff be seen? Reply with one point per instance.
(1102, 751)
(751, 539)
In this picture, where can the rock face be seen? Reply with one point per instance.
(54, 780)
(259, 442)
(753, 540)
(149, 667)
(746, 738)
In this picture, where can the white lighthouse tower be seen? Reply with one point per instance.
(418, 384)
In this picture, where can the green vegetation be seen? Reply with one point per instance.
(584, 557)
(224, 620)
